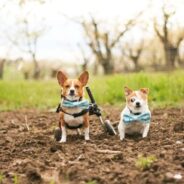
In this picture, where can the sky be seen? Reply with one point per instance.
(62, 36)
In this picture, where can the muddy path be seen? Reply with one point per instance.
(29, 154)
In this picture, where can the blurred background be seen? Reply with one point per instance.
(131, 42)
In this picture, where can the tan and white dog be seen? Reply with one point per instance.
(73, 92)
(136, 116)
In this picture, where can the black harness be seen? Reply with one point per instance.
(75, 115)
(74, 127)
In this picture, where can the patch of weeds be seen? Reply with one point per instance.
(144, 163)
(52, 182)
(1, 178)
(15, 179)
(92, 182)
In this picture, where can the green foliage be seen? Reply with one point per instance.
(166, 89)
(15, 179)
(1, 178)
(92, 182)
(145, 162)
(28, 94)
(52, 182)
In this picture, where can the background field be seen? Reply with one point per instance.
(166, 89)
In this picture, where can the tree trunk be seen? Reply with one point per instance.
(170, 57)
(26, 75)
(2, 68)
(180, 60)
(84, 65)
(137, 68)
(95, 68)
(36, 73)
(108, 66)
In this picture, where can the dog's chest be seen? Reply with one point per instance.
(134, 127)
(70, 120)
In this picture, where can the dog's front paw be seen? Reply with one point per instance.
(121, 138)
(62, 141)
(87, 138)
(144, 135)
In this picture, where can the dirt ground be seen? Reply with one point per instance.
(29, 154)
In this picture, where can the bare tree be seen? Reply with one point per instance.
(32, 38)
(171, 48)
(26, 35)
(133, 52)
(102, 44)
(86, 59)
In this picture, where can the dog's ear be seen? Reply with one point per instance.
(127, 91)
(61, 77)
(145, 90)
(83, 78)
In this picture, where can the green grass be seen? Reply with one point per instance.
(166, 89)
(15, 179)
(1, 178)
(144, 163)
(91, 182)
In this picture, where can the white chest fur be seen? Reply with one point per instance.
(70, 120)
(134, 127)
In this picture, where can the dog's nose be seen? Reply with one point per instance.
(138, 104)
(72, 92)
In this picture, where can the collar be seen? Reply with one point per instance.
(63, 97)
(131, 112)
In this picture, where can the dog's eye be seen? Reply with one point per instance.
(132, 100)
(77, 86)
(67, 86)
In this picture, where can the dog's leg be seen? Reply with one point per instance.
(121, 129)
(86, 133)
(145, 130)
(63, 128)
(78, 131)
(86, 127)
(63, 137)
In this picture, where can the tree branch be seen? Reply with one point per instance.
(128, 26)
(161, 37)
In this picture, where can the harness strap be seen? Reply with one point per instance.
(75, 115)
(58, 108)
(74, 127)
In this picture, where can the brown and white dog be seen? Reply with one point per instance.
(136, 116)
(73, 91)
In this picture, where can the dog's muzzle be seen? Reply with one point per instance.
(72, 92)
(138, 104)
